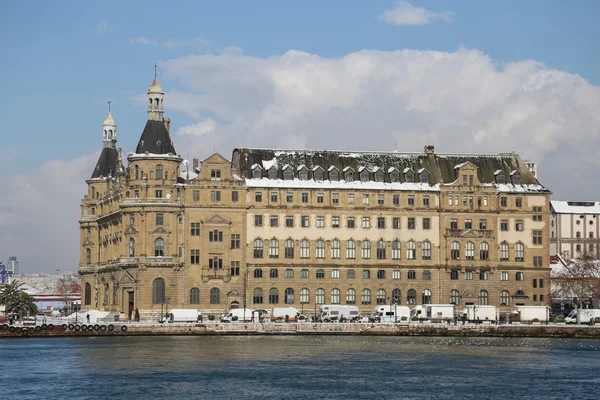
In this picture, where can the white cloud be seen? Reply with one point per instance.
(143, 41)
(199, 129)
(406, 14)
(198, 43)
(8, 153)
(105, 27)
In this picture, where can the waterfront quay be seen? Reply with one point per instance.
(252, 329)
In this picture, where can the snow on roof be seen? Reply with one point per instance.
(331, 168)
(301, 167)
(269, 163)
(513, 172)
(392, 169)
(311, 184)
(237, 177)
(286, 166)
(361, 168)
(510, 188)
(347, 168)
(457, 166)
(375, 169)
(152, 155)
(421, 170)
(407, 169)
(188, 175)
(572, 207)
(498, 171)
(316, 167)
(255, 166)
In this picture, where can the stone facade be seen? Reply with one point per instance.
(301, 228)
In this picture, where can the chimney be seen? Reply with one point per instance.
(195, 165)
(167, 122)
(429, 150)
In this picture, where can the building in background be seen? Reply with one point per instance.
(574, 228)
(305, 228)
(13, 265)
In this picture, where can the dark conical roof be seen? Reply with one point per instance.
(155, 139)
(107, 163)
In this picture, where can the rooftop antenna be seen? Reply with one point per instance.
(109, 103)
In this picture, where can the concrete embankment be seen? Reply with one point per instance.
(241, 329)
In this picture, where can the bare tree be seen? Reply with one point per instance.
(579, 278)
(68, 287)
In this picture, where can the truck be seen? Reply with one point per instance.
(476, 313)
(433, 312)
(529, 313)
(183, 315)
(392, 313)
(588, 316)
(334, 312)
(287, 314)
(238, 315)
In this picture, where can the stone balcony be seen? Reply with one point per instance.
(209, 273)
(469, 233)
(150, 200)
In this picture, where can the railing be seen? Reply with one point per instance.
(209, 273)
(485, 233)
(160, 260)
(152, 200)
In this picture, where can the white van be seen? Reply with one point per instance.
(334, 312)
(587, 316)
(238, 315)
(182, 315)
(293, 315)
(392, 313)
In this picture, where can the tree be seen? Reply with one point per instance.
(67, 287)
(16, 299)
(579, 279)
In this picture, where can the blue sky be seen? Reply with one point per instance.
(465, 76)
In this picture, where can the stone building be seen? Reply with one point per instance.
(303, 228)
(574, 228)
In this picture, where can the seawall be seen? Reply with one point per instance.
(242, 329)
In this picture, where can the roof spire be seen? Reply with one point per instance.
(109, 103)
(154, 70)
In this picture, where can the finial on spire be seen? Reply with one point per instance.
(109, 103)
(154, 70)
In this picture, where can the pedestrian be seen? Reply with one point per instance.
(87, 316)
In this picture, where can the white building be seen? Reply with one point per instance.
(574, 228)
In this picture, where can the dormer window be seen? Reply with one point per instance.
(318, 174)
(334, 174)
(364, 174)
(348, 174)
(409, 175)
(423, 176)
(500, 178)
(515, 178)
(288, 174)
(394, 176)
(302, 173)
(273, 172)
(257, 172)
(379, 175)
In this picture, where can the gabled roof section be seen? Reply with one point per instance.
(155, 139)
(107, 163)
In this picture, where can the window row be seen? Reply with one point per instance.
(158, 173)
(351, 222)
(335, 296)
(159, 293)
(484, 251)
(350, 274)
(381, 251)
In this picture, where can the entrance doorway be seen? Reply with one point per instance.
(235, 304)
(130, 309)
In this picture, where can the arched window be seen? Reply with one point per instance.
(455, 251)
(215, 296)
(137, 172)
(426, 250)
(159, 171)
(503, 251)
(257, 297)
(258, 273)
(305, 249)
(350, 249)
(289, 248)
(158, 290)
(273, 296)
(366, 296)
(289, 296)
(289, 273)
(504, 298)
(258, 248)
(469, 251)
(274, 249)
(88, 256)
(366, 249)
(381, 250)
(484, 251)
(350, 296)
(320, 296)
(396, 250)
(411, 251)
(132, 247)
(396, 296)
(520, 276)
(195, 296)
(454, 297)
(335, 248)
(483, 298)
(519, 252)
(381, 296)
(274, 273)
(411, 296)
(304, 296)
(412, 274)
(159, 247)
(87, 294)
(335, 296)
(320, 249)
(426, 297)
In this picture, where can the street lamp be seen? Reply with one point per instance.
(395, 301)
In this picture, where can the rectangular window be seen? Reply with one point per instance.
(470, 201)
(504, 225)
(258, 220)
(465, 201)
(235, 268)
(469, 275)
(468, 224)
(426, 223)
(426, 201)
(320, 222)
(215, 263)
(485, 201)
(453, 275)
(350, 221)
(366, 222)
(335, 273)
(235, 241)
(519, 225)
(215, 236)
(350, 198)
(158, 194)
(453, 223)
(411, 200)
(380, 222)
(380, 199)
(274, 221)
(464, 180)
(519, 202)
(411, 223)
(195, 229)
(535, 297)
(396, 199)
(482, 224)
(195, 257)
(196, 195)
(335, 222)
(289, 197)
(320, 197)
(160, 218)
(479, 201)
(215, 195)
(396, 274)
(131, 221)
(365, 199)
(289, 221)
(396, 223)
(136, 194)
(234, 196)
(366, 274)
(305, 221)
(535, 283)
(335, 198)
(503, 202)
(537, 237)
(471, 180)
(541, 285)
(450, 202)
(305, 197)
(274, 196)
(258, 197)
(215, 174)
